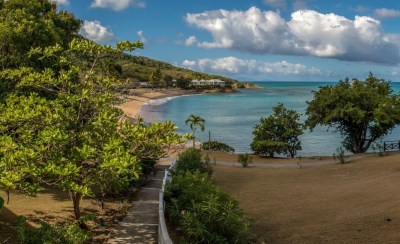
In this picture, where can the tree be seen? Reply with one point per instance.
(278, 133)
(182, 83)
(168, 80)
(361, 111)
(30, 23)
(194, 121)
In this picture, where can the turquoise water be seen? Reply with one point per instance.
(231, 117)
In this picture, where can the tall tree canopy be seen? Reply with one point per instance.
(32, 23)
(362, 111)
(278, 133)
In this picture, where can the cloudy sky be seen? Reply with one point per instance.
(257, 40)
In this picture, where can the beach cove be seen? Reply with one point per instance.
(231, 117)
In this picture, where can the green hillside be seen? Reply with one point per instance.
(140, 68)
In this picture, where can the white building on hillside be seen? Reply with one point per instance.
(211, 82)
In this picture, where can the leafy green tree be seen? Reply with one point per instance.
(168, 80)
(194, 121)
(361, 111)
(182, 82)
(71, 133)
(278, 133)
(30, 23)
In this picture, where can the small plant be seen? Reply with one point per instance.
(245, 159)
(340, 155)
(379, 147)
(190, 161)
(47, 233)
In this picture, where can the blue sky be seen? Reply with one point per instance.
(256, 40)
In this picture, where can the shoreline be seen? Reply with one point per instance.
(134, 102)
(139, 97)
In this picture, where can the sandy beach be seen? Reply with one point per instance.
(139, 97)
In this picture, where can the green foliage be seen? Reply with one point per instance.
(362, 111)
(244, 159)
(340, 155)
(27, 24)
(278, 133)
(217, 146)
(48, 233)
(204, 213)
(147, 165)
(63, 126)
(190, 161)
(183, 82)
(194, 121)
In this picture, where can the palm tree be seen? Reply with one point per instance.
(195, 121)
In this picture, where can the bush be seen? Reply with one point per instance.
(204, 213)
(217, 146)
(244, 159)
(340, 155)
(148, 165)
(268, 148)
(190, 161)
(70, 234)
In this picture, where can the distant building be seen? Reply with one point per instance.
(211, 82)
(145, 85)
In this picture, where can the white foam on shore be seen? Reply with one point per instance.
(163, 100)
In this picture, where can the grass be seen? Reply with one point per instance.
(358, 202)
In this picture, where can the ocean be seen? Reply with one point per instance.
(231, 117)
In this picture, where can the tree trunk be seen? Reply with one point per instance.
(76, 201)
(194, 139)
(8, 196)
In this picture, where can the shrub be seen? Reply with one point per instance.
(70, 234)
(190, 161)
(340, 155)
(217, 146)
(204, 213)
(244, 159)
(380, 148)
(148, 165)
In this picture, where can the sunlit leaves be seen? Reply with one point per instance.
(362, 111)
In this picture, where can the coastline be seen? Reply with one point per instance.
(138, 97)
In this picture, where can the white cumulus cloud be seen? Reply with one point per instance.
(117, 5)
(307, 33)
(94, 31)
(233, 65)
(141, 36)
(384, 13)
(190, 41)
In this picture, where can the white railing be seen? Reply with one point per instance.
(163, 236)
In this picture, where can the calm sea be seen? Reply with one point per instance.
(231, 117)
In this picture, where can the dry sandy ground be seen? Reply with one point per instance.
(357, 202)
(54, 206)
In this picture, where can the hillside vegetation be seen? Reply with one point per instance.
(139, 68)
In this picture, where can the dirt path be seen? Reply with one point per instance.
(293, 165)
